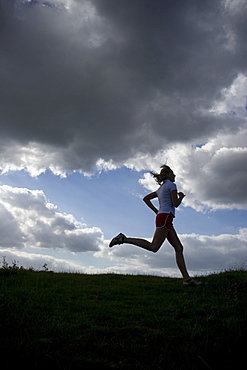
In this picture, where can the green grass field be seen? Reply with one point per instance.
(76, 321)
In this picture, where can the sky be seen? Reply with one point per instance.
(95, 94)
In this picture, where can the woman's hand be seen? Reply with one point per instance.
(177, 198)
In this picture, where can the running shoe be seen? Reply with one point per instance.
(117, 240)
(191, 282)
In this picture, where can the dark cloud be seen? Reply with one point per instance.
(107, 79)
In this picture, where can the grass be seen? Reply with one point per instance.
(75, 321)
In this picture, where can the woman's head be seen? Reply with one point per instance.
(165, 174)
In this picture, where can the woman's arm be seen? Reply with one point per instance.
(147, 200)
(176, 198)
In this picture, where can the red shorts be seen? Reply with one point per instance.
(164, 220)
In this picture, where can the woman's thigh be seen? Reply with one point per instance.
(160, 236)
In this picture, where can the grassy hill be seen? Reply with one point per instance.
(76, 321)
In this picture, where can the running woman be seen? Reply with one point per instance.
(169, 199)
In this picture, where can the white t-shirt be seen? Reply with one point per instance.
(164, 196)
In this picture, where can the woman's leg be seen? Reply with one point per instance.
(177, 245)
(158, 239)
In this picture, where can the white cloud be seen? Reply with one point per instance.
(38, 261)
(213, 176)
(11, 234)
(29, 220)
(233, 99)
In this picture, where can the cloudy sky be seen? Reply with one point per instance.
(94, 94)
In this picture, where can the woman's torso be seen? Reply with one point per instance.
(164, 196)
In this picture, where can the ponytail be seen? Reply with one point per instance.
(162, 176)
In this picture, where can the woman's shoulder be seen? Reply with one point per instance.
(167, 186)
(171, 185)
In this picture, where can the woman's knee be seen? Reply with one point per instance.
(156, 247)
(179, 249)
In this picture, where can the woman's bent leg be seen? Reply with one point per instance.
(158, 239)
(177, 245)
